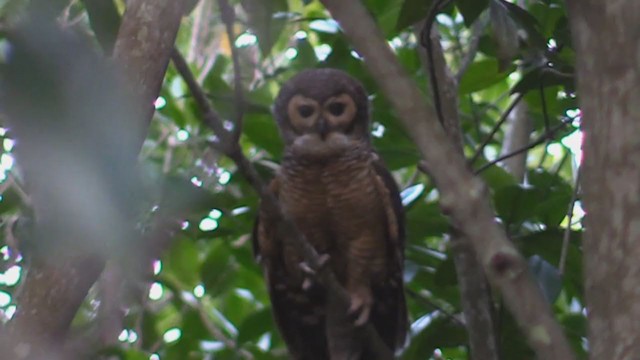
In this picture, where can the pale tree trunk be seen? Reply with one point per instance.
(605, 35)
(517, 136)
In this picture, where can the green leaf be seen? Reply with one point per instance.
(545, 77)
(441, 332)
(217, 271)
(446, 273)
(515, 203)
(180, 196)
(482, 74)
(471, 9)
(255, 325)
(505, 33)
(412, 11)
(553, 209)
(149, 329)
(263, 21)
(193, 332)
(181, 263)
(497, 177)
(9, 201)
(424, 220)
(104, 20)
(261, 129)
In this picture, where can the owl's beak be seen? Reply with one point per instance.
(323, 128)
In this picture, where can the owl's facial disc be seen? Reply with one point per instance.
(339, 111)
(335, 114)
(303, 112)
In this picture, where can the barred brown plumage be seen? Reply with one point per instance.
(336, 190)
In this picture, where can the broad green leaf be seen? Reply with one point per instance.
(543, 77)
(261, 129)
(181, 263)
(441, 332)
(471, 9)
(266, 20)
(255, 325)
(505, 33)
(218, 269)
(515, 203)
(482, 74)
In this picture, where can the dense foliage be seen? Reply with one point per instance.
(208, 298)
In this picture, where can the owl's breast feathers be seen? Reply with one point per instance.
(347, 206)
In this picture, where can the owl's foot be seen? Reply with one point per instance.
(361, 304)
(310, 273)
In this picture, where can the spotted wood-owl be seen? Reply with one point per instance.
(337, 191)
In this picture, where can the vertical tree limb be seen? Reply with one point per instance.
(145, 41)
(475, 298)
(53, 290)
(605, 36)
(463, 196)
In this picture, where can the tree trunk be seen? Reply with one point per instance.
(605, 35)
(517, 136)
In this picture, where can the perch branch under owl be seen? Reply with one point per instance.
(228, 145)
(462, 195)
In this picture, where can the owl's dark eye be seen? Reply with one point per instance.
(305, 110)
(336, 108)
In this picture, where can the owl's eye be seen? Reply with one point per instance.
(336, 108)
(305, 110)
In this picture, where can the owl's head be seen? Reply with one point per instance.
(322, 111)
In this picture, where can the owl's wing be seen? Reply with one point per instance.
(389, 315)
(298, 314)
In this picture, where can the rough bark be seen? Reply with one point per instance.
(474, 290)
(605, 35)
(145, 41)
(55, 286)
(462, 196)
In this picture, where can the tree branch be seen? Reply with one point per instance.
(229, 17)
(566, 237)
(475, 298)
(495, 129)
(474, 42)
(539, 141)
(96, 158)
(463, 196)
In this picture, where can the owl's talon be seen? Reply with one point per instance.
(310, 273)
(307, 284)
(322, 262)
(361, 304)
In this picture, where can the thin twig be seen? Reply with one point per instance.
(567, 231)
(543, 101)
(542, 139)
(428, 302)
(496, 127)
(425, 40)
(229, 17)
(210, 116)
(474, 43)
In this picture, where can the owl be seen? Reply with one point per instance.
(335, 188)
